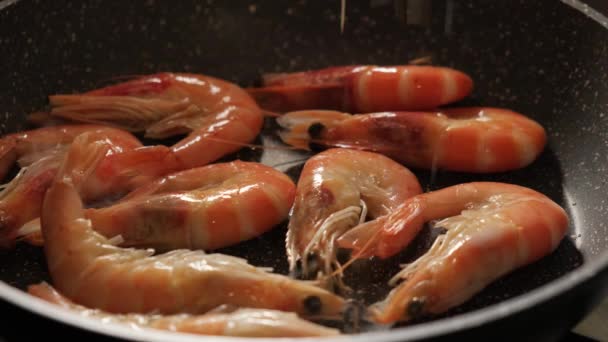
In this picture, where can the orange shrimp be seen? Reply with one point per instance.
(89, 269)
(363, 88)
(218, 116)
(240, 322)
(337, 189)
(208, 207)
(479, 140)
(40, 152)
(492, 229)
(28, 146)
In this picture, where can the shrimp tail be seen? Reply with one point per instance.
(386, 235)
(301, 128)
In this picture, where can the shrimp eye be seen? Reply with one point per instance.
(415, 307)
(315, 130)
(313, 304)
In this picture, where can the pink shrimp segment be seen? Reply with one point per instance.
(478, 140)
(217, 116)
(203, 208)
(492, 229)
(89, 269)
(240, 322)
(363, 88)
(337, 188)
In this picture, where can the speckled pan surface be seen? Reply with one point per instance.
(541, 58)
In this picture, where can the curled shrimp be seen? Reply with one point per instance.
(240, 322)
(39, 152)
(90, 270)
(363, 88)
(337, 189)
(492, 229)
(479, 140)
(217, 116)
(208, 207)
(29, 146)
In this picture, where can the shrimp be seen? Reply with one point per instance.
(39, 152)
(217, 116)
(492, 229)
(90, 270)
(208, 208)
(240, 322)
(363, 88)
(478, 140)
(338, 188)
(29, 146)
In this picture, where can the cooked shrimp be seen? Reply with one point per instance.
(492, 229)
(40, 152)
(240, 322)
(29, 146)
(338, 188)
(218, 116)
(476, 140)
(21, 198)
(208, 207)
(363, 88)
(89, 269)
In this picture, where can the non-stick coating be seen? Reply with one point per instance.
(540, 58)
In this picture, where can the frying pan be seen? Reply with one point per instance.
(546, 59)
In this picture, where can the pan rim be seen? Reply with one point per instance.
(436, 328)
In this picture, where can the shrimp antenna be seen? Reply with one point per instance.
(354, 258)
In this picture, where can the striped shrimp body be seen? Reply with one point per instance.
(492, 229)
(337, 189)
(478, 140)
(363, 88)
(217, 116)
(39, 152)
(240, 322)
(90, 270)
(208, 207)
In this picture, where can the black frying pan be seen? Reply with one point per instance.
(542, 58)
